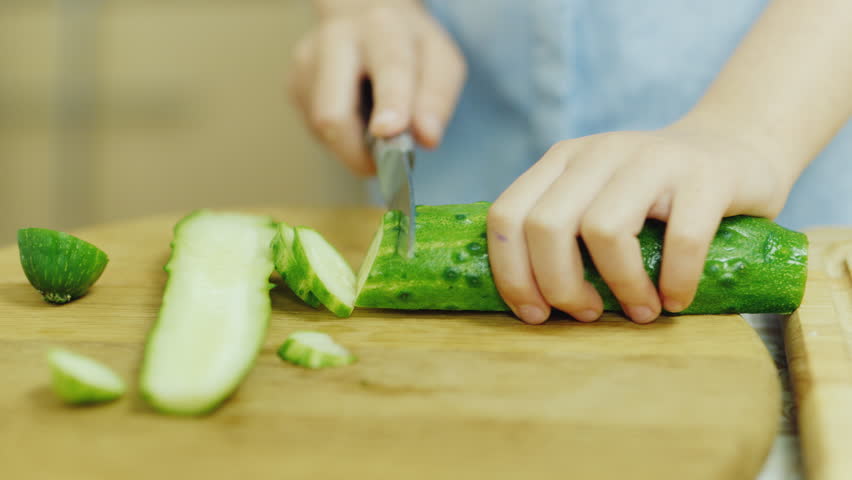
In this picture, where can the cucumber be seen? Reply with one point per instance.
(79, 380)
(60, 266)
(294, 273)
(331, 278)
(753, 265)
(214, 313)
(314, 350)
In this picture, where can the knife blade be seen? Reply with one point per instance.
(394, 159)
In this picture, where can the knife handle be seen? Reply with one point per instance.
(376, 146)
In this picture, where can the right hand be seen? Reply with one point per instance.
(416, 69)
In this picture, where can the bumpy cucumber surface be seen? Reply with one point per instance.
(59, 265)
(753, 266)
(294, 273)
(214, 313)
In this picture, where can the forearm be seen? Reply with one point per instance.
(336, 7)
(789, 84)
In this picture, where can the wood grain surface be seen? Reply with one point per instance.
(434, 395)
(819, 350)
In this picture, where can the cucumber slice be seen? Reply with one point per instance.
(79, 380)
(294, 273)
(214, 313)
(60, 266)
(332, 279)
(314, 350)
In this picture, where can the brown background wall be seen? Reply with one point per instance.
(111, 110)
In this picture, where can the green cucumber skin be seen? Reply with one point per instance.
(753, 266)
(304, 356)
(214, 403)
(320, 290)
(59, 265)
(294, 273)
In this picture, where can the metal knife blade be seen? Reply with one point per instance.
(394, 159)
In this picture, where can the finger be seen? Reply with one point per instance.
(335, 97)
(390, 59)
(441, 78)
(301, 75)
(696, 213)
(507, 246)
(609, 230)
(552, 227)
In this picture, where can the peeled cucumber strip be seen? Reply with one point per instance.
(294, 273)
(60, 266)
(332, 279)
(314, 350)
(753, 266)
(214, 313)
(79, 380)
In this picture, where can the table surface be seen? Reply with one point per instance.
(472, 394)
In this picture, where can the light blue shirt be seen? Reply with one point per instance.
(541, 71)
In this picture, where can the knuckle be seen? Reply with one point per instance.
(542, 224)
(687, 242)
(325, 122)
(598, 229)
(500, 216)
(335, 30)
(381, 15)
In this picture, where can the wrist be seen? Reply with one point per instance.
(788, 163)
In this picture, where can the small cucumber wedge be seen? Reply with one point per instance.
(60, 266)
(294, 273)
(332, 279)
(314, 350)
(79, 380)
(214, 314)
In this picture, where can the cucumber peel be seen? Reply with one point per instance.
(294, 273)
(79, 380)
(214, 313)
(314, 350)
(60, 266)
(753, 265)
(331, 278)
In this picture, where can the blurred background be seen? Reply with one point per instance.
(117, 109)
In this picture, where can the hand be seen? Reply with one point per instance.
(602, 188)
(416, 70)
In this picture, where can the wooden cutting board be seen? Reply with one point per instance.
(819, 351)
(433, 396)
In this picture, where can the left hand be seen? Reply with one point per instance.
(602, 188)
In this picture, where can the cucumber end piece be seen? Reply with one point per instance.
(314, 350)
(79, 380)
(60, 266)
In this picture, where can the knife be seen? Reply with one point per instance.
(394, 159)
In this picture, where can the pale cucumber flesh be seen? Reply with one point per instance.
(314, 350)
(214, 312)
(80, 380)
(332, 277)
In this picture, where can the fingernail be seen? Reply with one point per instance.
(587, 316)
(640, 314)
(386, 119)
(673, 306)
(532, 314)
(431, 126)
